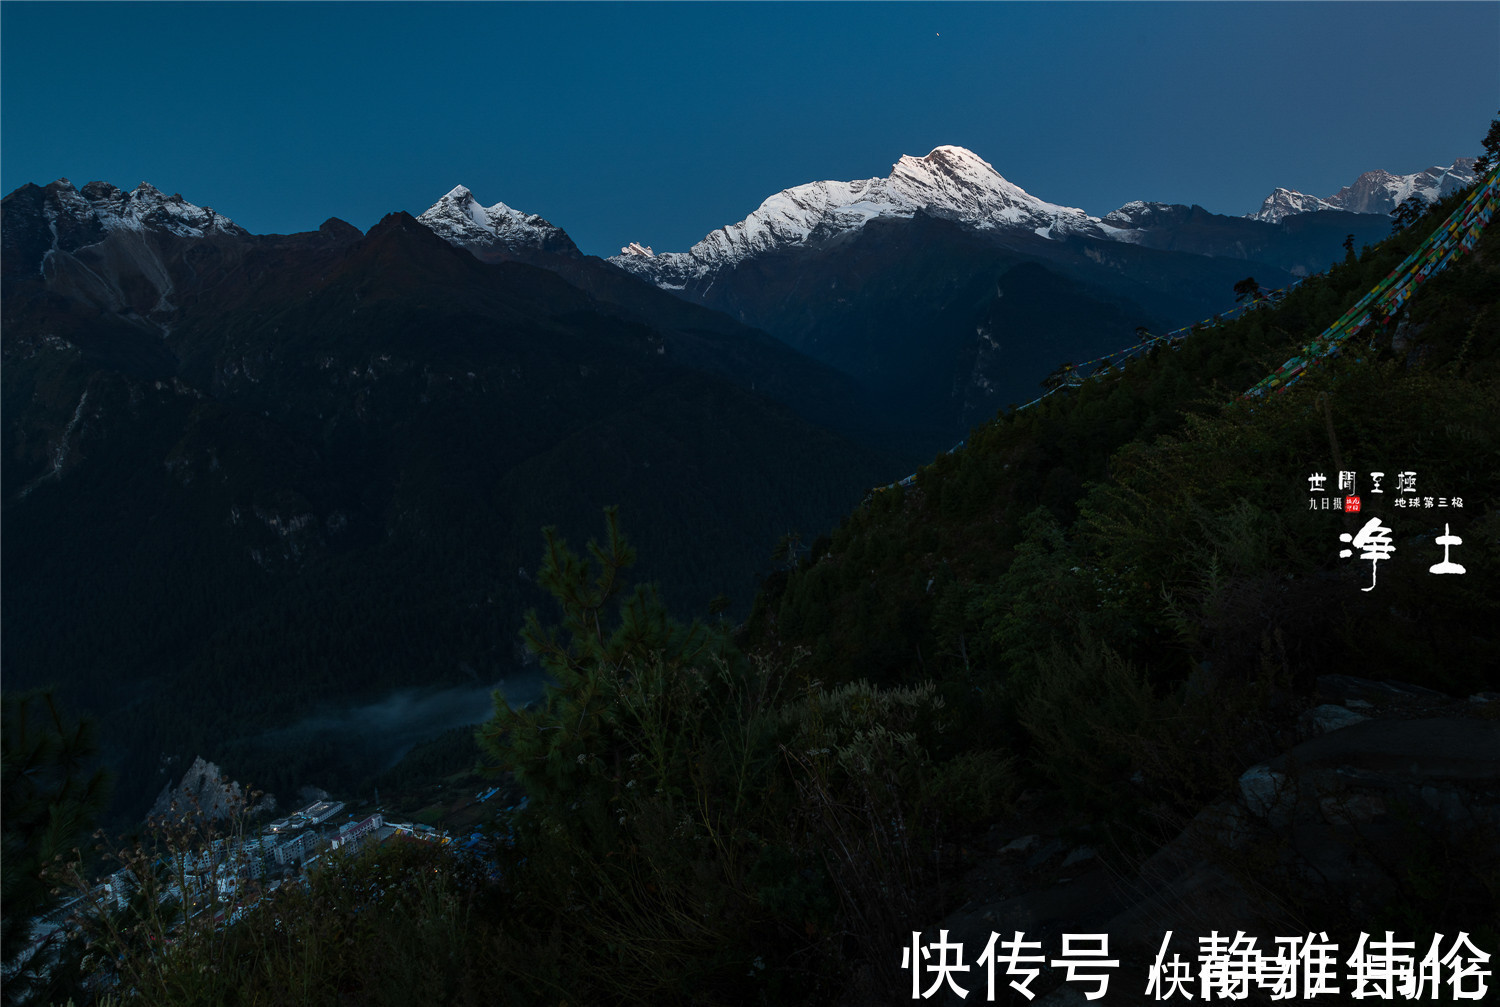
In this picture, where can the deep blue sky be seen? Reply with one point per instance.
(657, 123)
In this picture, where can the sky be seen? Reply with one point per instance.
(659, 122)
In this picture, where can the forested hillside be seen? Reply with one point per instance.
(1162, 511)
(312, 479)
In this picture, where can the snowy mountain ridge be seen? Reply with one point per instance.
(492, 231)
(950, 182)
(99, 242)
(957, 184)
(1373, 192)
(145, 208)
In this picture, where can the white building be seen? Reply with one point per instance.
(297, 849)
(320, 811)
(356, 833)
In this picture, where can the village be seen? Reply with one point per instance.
(227, 876)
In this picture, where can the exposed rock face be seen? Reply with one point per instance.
(1373, 192)
(204, 794)
(1381, 192)
(1329, 835)
(494, 233)
(1282, 203)
(126, 254)
(1328, 717)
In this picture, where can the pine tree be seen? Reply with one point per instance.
(787, 550)
(1491, 144)
(1411, 210)
(555, 751)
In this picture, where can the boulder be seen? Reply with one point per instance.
(1325, 718)
(1319, 836)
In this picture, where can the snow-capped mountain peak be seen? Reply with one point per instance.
(1373, 192)
(1136, 213)
(492, 232)
(144, 208)
(959, 181)
(1287, 202)
(114, 249)
(458, 207)
(950, 181)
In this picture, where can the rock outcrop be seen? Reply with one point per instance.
(1339, 833)
(204, 795)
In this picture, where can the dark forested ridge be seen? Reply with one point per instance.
(952, 324)
(319, 476)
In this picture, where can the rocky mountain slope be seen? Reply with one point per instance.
(1377, 192)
